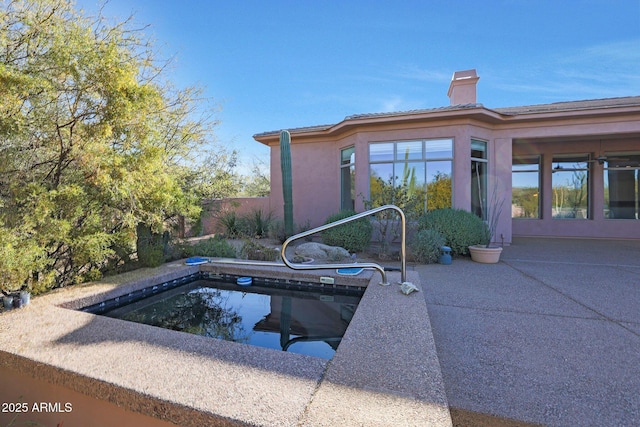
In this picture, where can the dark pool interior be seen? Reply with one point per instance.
(283, 314)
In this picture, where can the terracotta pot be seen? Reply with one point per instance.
(482, 254)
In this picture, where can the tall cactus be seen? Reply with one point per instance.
(287, 192)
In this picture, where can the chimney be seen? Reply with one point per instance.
(462, 89)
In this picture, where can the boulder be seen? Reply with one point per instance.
(321, 251)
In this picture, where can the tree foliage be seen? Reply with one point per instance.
(258, 183)
(93, 142)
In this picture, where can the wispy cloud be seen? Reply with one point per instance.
(625, 52)
(597, 71)
(413, 72)
(392, 104)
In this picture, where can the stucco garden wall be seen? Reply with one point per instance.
(241, 205)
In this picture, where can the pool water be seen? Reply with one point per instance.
(308, 322)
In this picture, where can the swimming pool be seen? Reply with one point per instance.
(280, 314)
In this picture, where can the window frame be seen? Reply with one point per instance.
(572, 158)
(398, 160)
(523, 161)
(351, 167)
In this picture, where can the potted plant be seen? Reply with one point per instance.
(485, 253)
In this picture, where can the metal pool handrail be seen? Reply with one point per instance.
(403, 260)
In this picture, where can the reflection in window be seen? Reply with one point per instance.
(570, 184)
(381, 152)
(414, 175)
(622, 185)
(438, 185)
(347, 178)
(410, 150)
(479, 165)
(525, 184)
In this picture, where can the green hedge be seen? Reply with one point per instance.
(354, 236)
(459, 228)
(212, 247)
(425, 246)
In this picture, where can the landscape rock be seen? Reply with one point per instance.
(319, 251)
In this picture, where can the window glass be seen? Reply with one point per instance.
(479, 168)
(570, 185)
(478, 149)
(525, 184)
(382, 172)
(410, 150)
(409, 180)
(347, 156)
(381, 152)
(439, 188)
(438, 148)
(347, 178)
(622, 186)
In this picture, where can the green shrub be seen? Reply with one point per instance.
(229, 222)
(257, 252)
(259, 223)
(276, 230)
(212, 247)
(459, 228)
(150, 246)
(353, 236)
(425, 246)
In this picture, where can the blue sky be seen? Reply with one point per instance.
(277, 64)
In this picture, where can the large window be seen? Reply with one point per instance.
(570, 182)
(415, 175)
(525, 184)
(622, 185)
(347, 178)
(479, 164)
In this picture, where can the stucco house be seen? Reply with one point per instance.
(565, 169)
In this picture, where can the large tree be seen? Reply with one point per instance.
(94, 142)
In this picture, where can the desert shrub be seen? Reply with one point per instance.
(258, 223)
(150, 246)
(257, 252)
(459, 228)
(230, 224)
(212, 247)
(353, 236)
(425, 246)
(276, 230)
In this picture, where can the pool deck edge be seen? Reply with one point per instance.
(385, 372)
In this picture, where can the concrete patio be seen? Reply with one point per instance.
(549, 336)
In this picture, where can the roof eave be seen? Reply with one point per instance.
(350, 122)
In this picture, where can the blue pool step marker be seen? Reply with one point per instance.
(244, 281)
(196, 260)
(351, 271)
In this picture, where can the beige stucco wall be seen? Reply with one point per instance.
(316, 168)
(316, 159)
(241, 205)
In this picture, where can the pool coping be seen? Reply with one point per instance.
(385, 372)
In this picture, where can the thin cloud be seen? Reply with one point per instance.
(598, 71)
(625, 51)
(421, 74)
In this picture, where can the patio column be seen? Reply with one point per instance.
(500, 171)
